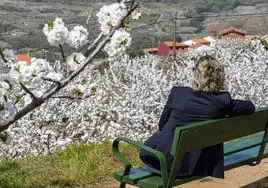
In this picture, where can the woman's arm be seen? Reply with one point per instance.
(166, 111)
(241, 107)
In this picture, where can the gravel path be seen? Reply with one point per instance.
(245, 176)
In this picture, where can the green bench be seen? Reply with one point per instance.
(244, 139)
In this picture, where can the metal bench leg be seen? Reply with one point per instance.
(263, 144)
(126, 172)
(122, 185)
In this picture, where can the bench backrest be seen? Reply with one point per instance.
(207, 133)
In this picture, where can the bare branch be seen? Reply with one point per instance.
(52, 80)
(93, 45)
(8, 82)
(62, 53)
(64, 65)
(28, 91)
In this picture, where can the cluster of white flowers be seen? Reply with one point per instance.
(120, 41)
(77, 37)
(136, 15)
(7, 112)
(58, 34)
(110, 15)
(126, 97)
(75, 60)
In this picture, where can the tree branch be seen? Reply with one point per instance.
(93, 45)
(28, 91)
(63, 65)
(51, 80)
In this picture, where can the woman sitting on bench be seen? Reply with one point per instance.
(207, 99)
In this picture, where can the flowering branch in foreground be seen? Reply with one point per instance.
(31, 76)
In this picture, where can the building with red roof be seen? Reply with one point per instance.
(232, 33)
(24, 57)
(153, 51)
(166, 48)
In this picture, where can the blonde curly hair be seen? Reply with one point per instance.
(209, 75)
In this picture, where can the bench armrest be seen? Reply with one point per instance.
(160, 156)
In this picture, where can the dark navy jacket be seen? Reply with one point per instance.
(183, 107)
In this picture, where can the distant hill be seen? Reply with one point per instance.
(21, 21)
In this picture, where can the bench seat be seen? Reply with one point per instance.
(243, 151)
(145, 177)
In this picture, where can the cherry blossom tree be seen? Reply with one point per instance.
(82, 99)
(125, 97)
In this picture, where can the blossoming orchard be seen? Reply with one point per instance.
(46, 106)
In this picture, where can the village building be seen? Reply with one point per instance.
(232, 33)
(166, 48)
(201, 41)
(153, 51)
(210, 39)
(24, 57)
(189, 42)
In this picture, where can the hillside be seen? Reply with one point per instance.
(22, 20)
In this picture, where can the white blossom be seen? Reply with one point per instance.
(4, 87)
(56, 32)
(8, 113)
(136, 15)
(110, 16)
(75, 60)
(54, 75)
(120, 41)
(77, 37)
(9, 56)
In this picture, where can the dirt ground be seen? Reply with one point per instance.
(245, 176)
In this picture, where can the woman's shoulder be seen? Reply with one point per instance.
(185, 89)
(181, 88)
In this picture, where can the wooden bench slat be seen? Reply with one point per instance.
(135, 174)
(242, 143)
(243, 157)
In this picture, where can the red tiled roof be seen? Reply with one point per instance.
(151, 50)
(231, 30)
(24, 57)
(196, 45)
(178, 44)
(201, 41)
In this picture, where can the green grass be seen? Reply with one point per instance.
(78, 166)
